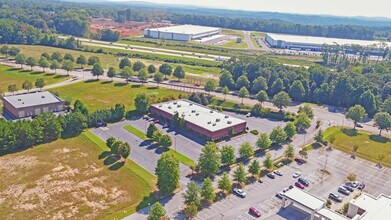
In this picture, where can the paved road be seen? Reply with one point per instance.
(247, 38)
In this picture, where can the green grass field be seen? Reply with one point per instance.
(105, 94)
(76, 176)
(9, 76)
(369, 145)
(136, 132)
(234, 44)
(182, 158)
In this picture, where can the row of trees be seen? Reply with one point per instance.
(27, 85)
(357, 113)
(118, 148)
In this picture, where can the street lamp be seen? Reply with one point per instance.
(222, 216)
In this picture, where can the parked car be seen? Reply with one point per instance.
(235, 93)
(349, 188)
(151, 119)
(353, 184)
(260, 180)
(297, 184)
(156, 121)
(361, 186)
(342, 190)
(166, 125)
(279, 194)
(253, 211)
(280, 164)
(252, 96)
(100, 124)
(303, 181)
(240, 192)
(248, 115)
(197, 85)
(285, 190)
(278, 172)
(271, 175)
(359, 126)
(335, 197)
(219, 89)
(290, 186)
(299, 161)
(296, 174)
(146, 117)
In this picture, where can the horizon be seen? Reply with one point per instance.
(280, 6)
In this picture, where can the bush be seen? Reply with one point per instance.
(254, 132)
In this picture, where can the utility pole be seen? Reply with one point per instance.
(324, 168)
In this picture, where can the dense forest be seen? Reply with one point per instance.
(72, 18)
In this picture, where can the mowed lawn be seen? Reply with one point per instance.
(369, 145)
(105, 94)
(9, 76)
(71, 179)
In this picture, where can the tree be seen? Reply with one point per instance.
(356, 114)
(78, 106)
(243, 93)
(268, 162)
(387, 105)
(207, 191)
(150, 130)
(156, 136)
(69, 56)
(165, 141)
(126, 72)
(97, 70)
(225, 183)
(297, 91)
(143, 76)
(226, 79)
(303, 152)
(242, 81)
(351, 177)
(27, 85)
(167, 172)
(179, 73)
(110, 141)
(209, 160)
(209, 86)
(165, 69)
(142, 103)
(382, 121)
(158, 78)
(12, 88)
(240, 174)
(259, 84)
(111, 73)
(54, 65)
(93, 60)
(262, 96)
(4, 50)
(289, 152)
(281, 100)
(225, 91)
(277, 87)
(124, 150)
(20, 59)
(369, 102)
(246, 150)
(307, 110)
(278, 135)
(228, 155)
(81, 60)
(57, 56)
(302, 121)
(192, 194)
(40, 83)
(319, 136)
(67, 65)
(254, 168)
(13, 51)
(31, 62)
(125, 62)
(290, 130)
(151, 69)
(191, 210)
(263, 141)
(156, 212)
(44, 63)
(138, 65)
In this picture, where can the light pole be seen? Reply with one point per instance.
(324, 168)
(222, 216)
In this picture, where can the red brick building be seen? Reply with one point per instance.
(206, 122)
(32, 104)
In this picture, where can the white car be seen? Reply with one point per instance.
(296, 174)
(248, 115)
(239, 192)
(278, 172)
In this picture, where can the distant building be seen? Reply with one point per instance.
(181, 32)
(297, 42)
(208, 123)
(367, 207)
(32, 104)
(239, 40)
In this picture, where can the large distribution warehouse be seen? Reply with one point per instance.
(296, 42)
(181, 32)
(206, 122)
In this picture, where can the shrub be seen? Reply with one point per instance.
(254, 132)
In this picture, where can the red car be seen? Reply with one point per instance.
(297, 184)
(156, 121)
(253, 211)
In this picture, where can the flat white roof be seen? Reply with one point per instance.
(331, 215)
(200, 115)
(186, 29)
(304, 198)
(376, 208)
(322, 40)
(32, 99)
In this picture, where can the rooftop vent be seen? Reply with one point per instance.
(175, 103)
(197, 113)
(211, 111)
(169, 107)
(43, 96)
(178, 106)
(226, 116)
(160, 106)
(214, 124)
(19, 99)
(217, 119)
(175, 112)
(23, 103)
(193, 111)
(209, 122)
(190, 104)
(229, 122)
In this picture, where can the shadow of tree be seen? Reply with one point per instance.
(349, 132)
(104, 154)
(135, 86)
(117, 165)
(105, 82)
(379, 139)
(110, 160)
(91, 80)
(120, 84)
(150, 199)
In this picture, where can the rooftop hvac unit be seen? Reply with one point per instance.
(226, 116)
(43, 96)
(214, 124)
(211, 111)
(175, 112)
(19, 99)
(229, 122)
(178, 106)
(190, 104)
(161, 106)
(197, 113)
(193, 111)
(169, 107)
(217, 119)
(209, 122)
(175, 103)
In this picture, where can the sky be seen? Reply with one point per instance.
(372, 8)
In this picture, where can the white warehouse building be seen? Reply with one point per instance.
(181, 32)
(296, 42)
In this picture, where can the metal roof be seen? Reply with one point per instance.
(322, 40)
(32, 99)
(186, 29)
(304, 198)
(200, 115)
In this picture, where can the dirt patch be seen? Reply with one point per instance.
(127, 28)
